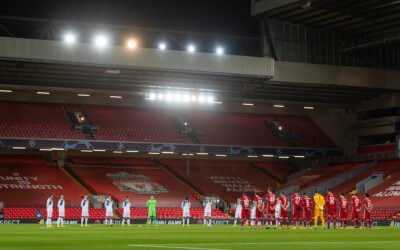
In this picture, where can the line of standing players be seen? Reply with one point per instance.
(304, 209)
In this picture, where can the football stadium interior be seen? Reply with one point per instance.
(310, 103)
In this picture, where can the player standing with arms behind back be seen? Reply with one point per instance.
(259, 211)
(85, 210)
(296, 213)
(246, 203)
(307, 210)
(367, 212)
(186, 211)
(61, 211)
(207, 211)
(343, 215)
(284, 201)
(331, 204)
(49, 209)
(271, 204)
(109, 211)
(356, 210)
(127, 212)
(238, 211)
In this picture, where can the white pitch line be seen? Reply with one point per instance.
(176, 247)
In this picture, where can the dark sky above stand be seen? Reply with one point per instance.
(210, 16)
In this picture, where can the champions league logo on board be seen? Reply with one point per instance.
(139, 184)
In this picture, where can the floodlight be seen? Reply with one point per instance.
(152, 96)
(70, 38)
(219, 51)
(202, 99)
(101, 41)
(193, 98)
(131, 44)
(186, 98)
(210, 99)
(168, 97)
(191, 48)
(177, 97)
(162, 46)
(160, 96)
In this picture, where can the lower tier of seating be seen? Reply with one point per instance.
(99, 213)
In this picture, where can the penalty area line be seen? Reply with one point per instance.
(176, 247)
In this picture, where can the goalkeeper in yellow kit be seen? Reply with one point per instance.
(319, 202)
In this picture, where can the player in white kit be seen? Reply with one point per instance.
(61, 211)
(127, 212)
(207, 211)
(186, 211)
(49, 209)
(253, 209)
(85, 210)
(238, 212)
(109, 211)
(277, 213)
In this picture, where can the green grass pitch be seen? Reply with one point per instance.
(35, 236)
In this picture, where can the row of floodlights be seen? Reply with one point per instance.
(182, 97)
(167, 153)
(102, 41)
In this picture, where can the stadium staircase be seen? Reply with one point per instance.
(267, 173)
(178, 177)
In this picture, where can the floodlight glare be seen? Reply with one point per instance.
(210, 99)
(219, 51)
(162, 46)
(101, 41)
(152, 96)
(202, 99)
(193, 98)
(177, 97)
(191, 48)
(69, 38)
(131, 44)
(186, 98)
(168, 97)
(160, 97)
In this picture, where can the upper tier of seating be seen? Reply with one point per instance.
(307, 134)
(320, 175)
(35, 120)
(40, 120)
(27, 180)
(138, 179)
(227, 179)
(385, 168)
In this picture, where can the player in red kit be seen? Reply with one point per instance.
(296, 213)
(343, 215)
(284, 201)
(259, 210)
(367, 212)
(246, 203)
(271, 203)
(307, 210)
(331, 205)
(356, 207)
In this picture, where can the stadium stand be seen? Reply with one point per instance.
(278, 169)
(320, 175)
(227, 179)
(135, 177)
(387, 194)
(306, 133)
(70, 213)
(133, 124)
(35, 120)
(376, 149)
(222, 128)
(385, 168)
(27, 180)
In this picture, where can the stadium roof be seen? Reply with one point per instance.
(366, 18)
